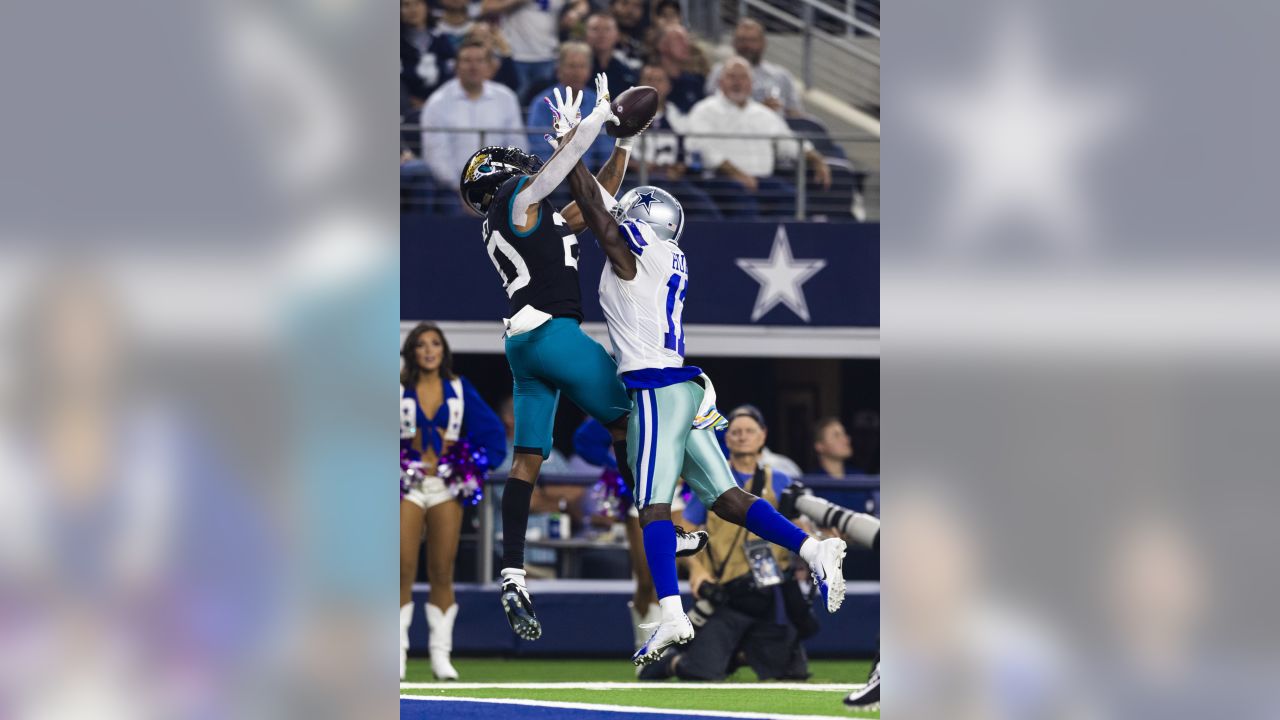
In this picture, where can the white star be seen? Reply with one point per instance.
(1017, 136)
(781, 278)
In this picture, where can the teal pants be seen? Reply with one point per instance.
(662, 446)
(557, 356)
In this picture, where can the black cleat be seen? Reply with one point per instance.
(868, 696)
(690, 543)
(519, 609)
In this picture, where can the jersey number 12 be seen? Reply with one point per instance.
(673, 339)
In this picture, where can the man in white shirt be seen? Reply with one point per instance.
(771, 84)
(739, 168)
(468, 101)
(662, 152)
(532, 28)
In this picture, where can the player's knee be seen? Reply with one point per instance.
(525, 466)
(408, 568)
(732, 505)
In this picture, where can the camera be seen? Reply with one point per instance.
(859, 527)
(710, 595)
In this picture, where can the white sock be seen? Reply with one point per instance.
(515, 575)
(672, 608)
(809, 551)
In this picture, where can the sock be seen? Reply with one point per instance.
(671, 606)
(515, 521)
(514, 574)
(768, 523)
(624, 465)
(809, 551)
(660, 551)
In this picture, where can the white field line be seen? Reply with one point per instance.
(621, 708)
(812, 687)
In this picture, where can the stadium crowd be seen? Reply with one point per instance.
(488, 65)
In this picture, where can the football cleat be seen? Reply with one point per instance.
(665, 634)
(519, 609)
(690, 543)
(868, 696)
(828, 572)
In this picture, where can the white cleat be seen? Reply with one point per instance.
(690, 543)
(666, 634)
(828, 572)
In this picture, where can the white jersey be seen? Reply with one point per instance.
(644, 312)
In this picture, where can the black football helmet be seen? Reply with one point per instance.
(488, 168)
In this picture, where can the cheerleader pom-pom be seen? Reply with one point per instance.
(464, 467)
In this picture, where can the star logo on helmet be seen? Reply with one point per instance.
(647, 199)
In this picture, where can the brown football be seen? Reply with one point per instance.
(635, 109)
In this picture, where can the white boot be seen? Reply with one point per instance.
(652, 615)
(406, 619)
(440, 623)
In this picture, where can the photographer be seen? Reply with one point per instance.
(749, 609)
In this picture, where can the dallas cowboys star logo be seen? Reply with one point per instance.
(781, 278)
(647, 199)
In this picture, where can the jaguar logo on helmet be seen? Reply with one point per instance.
(486, 171)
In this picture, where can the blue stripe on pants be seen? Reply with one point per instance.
(639, 468)
(653, 445)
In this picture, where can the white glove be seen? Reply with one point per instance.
(565, 114)
(603, 108)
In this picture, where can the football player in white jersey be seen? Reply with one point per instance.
(673, 415)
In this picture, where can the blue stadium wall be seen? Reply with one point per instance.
(446, 274)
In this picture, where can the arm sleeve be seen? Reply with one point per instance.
(593, 443)
(482, 424)
(559, 166)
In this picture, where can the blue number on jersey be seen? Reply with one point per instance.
(674, 337)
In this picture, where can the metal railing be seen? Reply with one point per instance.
(825, 144)
(847, 63)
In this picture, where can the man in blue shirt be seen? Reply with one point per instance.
(573, 70)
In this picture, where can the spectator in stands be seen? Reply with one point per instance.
(667, 12)
(757, 615)
(744, 167)
(673, 54)
(426, 58)
(504, 71)
(833, 448)
(573, 70)
(602, 38)
(633, 24)
(772, 85)
(661, 151)
(468, 101)
(573, 20)
(532, 28)
(453, 21)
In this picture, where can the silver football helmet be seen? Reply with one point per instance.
(654, 206)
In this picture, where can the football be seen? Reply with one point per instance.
(635, 109)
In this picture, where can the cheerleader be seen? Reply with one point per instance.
(437, 409)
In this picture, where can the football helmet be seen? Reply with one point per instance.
(487, 169)
(654, 206)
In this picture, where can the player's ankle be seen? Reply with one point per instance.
(809, 550)
(672, 608)
(515, 575)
